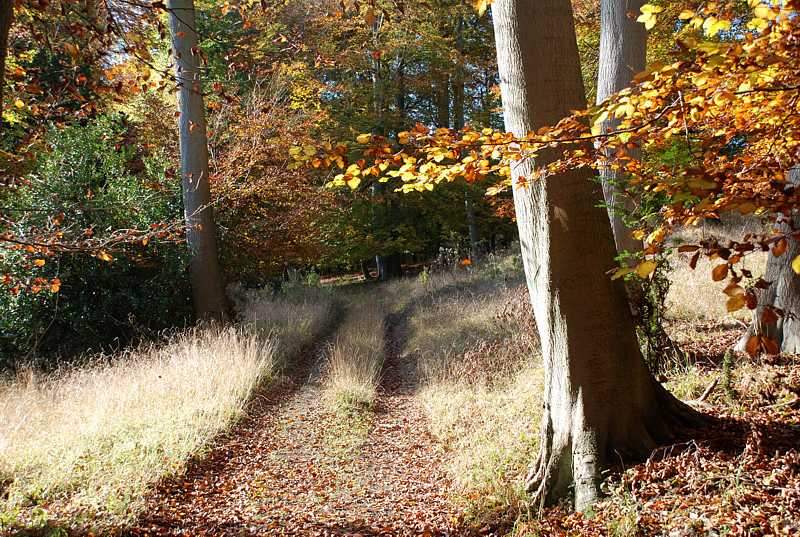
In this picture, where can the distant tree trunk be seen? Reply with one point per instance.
(472, 226)
(209, 297)
(442, 97)
(623, 53)
(458, 78)
(601, 404)
(393, 264)
(393, 267)
(365, 270)
(459, 120)
(783, 293)
(379, 112)
(6, 20)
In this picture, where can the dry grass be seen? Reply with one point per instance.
(354, 361)
(295, 319)
(92, 439)
(493, 432)
(481, 381)
(693, 294)
(87, 442)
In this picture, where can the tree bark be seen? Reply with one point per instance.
(209, 297)
(365, 270)
(6, 20)
(623, 54)
(379, 113)
(600, 401)
(458, 78)
(783, 293)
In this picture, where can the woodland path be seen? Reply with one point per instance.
(294, 468)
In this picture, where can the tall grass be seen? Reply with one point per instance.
(481, 381)
(94, 438)
(693, 295)
(354, 360)
(294, 319)
(87, 442)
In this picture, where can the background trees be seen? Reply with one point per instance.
(278, 75)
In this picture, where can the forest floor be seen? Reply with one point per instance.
(297, 467)
(442, 446)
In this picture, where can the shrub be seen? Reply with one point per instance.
(98, 178)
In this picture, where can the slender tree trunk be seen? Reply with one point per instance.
(472, 227)
(600, 402)
(458, 78)
(209, 297)
(393, 264)
(459, 120)
(379, 112)
(365, 270)
(783, 293)
(442, 95)
(623, 53)
(6, 20)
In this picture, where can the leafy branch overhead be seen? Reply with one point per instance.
(730, 95)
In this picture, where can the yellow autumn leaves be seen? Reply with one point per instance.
(648, 16)
(712, 25)
(763, 12)
(481, 5)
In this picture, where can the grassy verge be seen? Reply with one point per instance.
(480, 380)
(82, 446)
(354, 361)
(294, 320)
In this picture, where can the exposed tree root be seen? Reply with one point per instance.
(577, 456)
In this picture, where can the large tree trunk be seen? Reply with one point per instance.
(600, 402)
(623, 53)
(209, 297)
(783, 293)
(6, 19)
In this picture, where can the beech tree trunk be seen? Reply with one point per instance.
(783, 293)
(209, 297)
(623, 53)
(600, 401)
(6, 19)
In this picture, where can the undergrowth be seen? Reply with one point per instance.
(82, 446)
(481, 377)
(354, 360)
